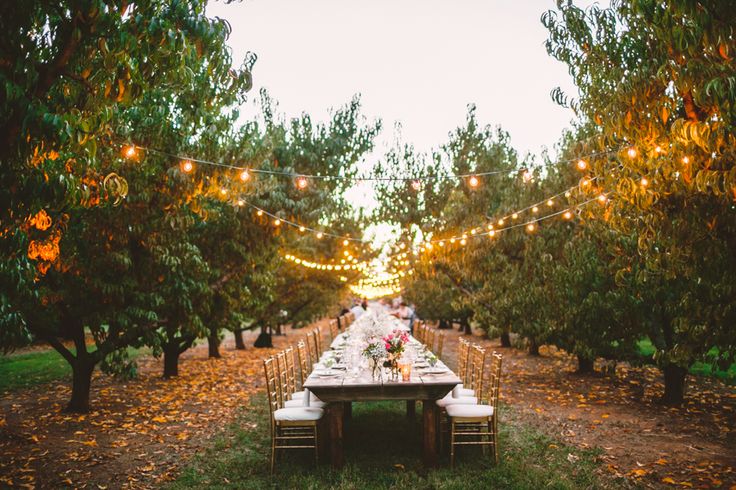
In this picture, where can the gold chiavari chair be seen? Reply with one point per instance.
(313, 346)
(477, 425)
(305, 365)
(440, 343)
(463, 348)
(420, 331)
(291, 428)
(287, 377)
(429, 338)
(475, 373)
(318, 337)
(334, 329)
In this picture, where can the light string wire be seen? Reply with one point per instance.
(296, 175)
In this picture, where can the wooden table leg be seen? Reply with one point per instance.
(348, 407)
(335, 413)
(430, 416)
(411, 409)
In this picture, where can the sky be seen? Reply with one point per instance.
(416, 62)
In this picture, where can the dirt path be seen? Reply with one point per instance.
(690, 446)
(139, 432)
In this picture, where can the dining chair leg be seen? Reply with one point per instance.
(452, 445)
(316, 445)
(273, 450)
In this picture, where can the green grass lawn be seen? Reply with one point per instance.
(383, 450)
(26, 370)
(646, 350)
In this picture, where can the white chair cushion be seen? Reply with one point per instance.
(298, 395)
(299, 402)
(302, 414)
(463, 400)
(464, 392)
(460, 410)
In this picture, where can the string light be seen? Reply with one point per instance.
(187, 166)
(320, 235)
(644, 182)
(567, 214)
(302, 229)
(658, 149)
(129, 151)
(631, 152)
(582, 164)
(550, 202)
(301, 182)
(244, 175)
(276, 222)
(473, 181)
(602, 199)
(241, 203)
(531, 227)
(535, 209)
(515, 216)
(223, 191)
(346, 242)
(685, 159)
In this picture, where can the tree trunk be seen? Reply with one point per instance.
(171, 360)
(465, 325)
(444, 324)
(505, 339)
(278, 329)
(213, 344)
(674, 384)
(585, 365)
(533, 347)
(239, 344)
(264, 338)
(82, 370)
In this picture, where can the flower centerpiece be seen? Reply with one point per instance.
(375, 351)
(394, 344)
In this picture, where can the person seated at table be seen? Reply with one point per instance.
(357, 309)
(406, 314)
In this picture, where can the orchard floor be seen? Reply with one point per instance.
(590, 431)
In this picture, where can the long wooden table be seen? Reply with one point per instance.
(340, 391)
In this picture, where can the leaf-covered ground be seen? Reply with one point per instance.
(146, 432)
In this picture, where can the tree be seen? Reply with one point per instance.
(74, 74)
(656, 82)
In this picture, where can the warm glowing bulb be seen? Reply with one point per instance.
(463, 241)
(241, 202)
(441, 243)
(515, 215)
(259, 213)
(658, 149)
(473, 181)
(535, 209)
(402, 246)
(473, 231)
(586, 182)
(550, 202)
(452, 240)
(187, 166)
(567, 215)
(531, 227)
(302, 229)
(276, 222)
(429, 246)
(301, 182)
(492, 233)
(223, 191)
(644, 181)
(346, 253)
(244, 175)
(631, 152)
(602, 198)
(345, 242)
(129, 151)
(320, 235)
(501, 222)
(568, 194)
(582, 164)
(685, 160)
(490, 226)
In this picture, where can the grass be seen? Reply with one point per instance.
(382, 450)
(19, 371)
(646, 350)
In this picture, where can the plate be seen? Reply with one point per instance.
(326, 373)
(436, 370)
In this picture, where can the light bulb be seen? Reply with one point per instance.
(582, 164)
(490, 226)
(441, 243)
(568, 194)
(320, 235)
(550, 202)
(259, 212)
(463, 241)
(301, 228)
(492, 233)
(602, 199)
(473, 181)
(276, 222)
(501, 222)
(301, 182)
(535, 209)
(644, 182)
(129, 151)
(515, 215)
(244, 175)
(567, 215)
(187, 166)
(345, 242)
(241, 202)
(685, 160)
(658, 149)
(531, 227)
(631, 152)
(223, 191)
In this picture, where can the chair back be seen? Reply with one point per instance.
(463, 347)
(429, 334)
(312, 346)
(419, 331)
(305, 364)
(334, 329)
(318, 338)
(271, 385)
(290, 368)
(478, 367)
(283, 379)
(493, 387)
(440, 343)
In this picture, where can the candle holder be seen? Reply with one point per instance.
(405, 368)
